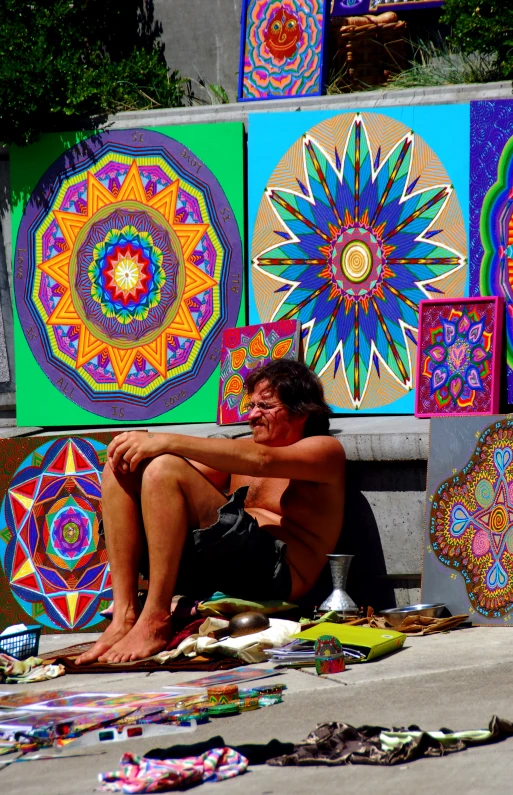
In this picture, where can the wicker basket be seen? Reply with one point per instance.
(367, 50)
(21, 644)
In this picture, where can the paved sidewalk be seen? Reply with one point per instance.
(458, 680)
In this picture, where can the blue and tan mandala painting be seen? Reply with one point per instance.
(358, 223)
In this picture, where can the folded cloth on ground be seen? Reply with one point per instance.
(66, 657)
(13, 671)
(411, 625)
(221, 605)
(248, 648)
(342, 744)
(141, 774)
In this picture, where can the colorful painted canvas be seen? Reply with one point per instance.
(400, 5)
(243, 350)
(354, 218)
(128, 267)
(282, 48)
(342, 8)
(491, 206)
(244, 674)
(459, 357)
(54, 569)
(468, 555)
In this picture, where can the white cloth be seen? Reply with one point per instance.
(248, 648)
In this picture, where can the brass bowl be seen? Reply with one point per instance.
(396, 615)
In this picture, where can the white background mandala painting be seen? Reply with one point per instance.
(358, 220)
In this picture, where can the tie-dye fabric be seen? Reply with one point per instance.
(138, 774)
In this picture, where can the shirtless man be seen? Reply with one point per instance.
(166, 494)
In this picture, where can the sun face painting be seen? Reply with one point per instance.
(359, 221)
(282, 47)
(128, 269)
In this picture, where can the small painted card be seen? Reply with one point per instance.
(491, 207)
(468, 549)
(282, 48)
(243, 350)
(458, 356)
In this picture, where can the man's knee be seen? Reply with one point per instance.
(165, 470)
(114, 480)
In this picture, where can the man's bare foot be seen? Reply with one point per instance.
(151, 634)
(112, 635)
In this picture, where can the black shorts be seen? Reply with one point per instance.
(233, 556)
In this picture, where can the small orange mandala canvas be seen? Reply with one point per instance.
(243, 350)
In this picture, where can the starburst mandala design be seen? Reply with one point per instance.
(358, 252)
(89, 274)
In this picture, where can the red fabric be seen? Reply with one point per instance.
(190, 629)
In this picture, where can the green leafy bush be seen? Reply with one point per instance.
(64, 63)
(483, 26)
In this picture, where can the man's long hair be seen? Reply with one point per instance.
(299, 389)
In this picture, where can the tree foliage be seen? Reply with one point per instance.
(484, 26)
(63, 64)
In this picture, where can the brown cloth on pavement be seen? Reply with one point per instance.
(342, 744)
(411, 625)
(67, 657)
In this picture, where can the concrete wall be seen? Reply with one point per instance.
(202, 37)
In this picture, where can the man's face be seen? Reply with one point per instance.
(271, 422)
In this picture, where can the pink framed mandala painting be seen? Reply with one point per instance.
(458, 357)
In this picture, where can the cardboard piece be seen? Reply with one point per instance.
(354, 218)
(468, 549)
(128, 267)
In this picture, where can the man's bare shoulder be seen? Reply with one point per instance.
(323, 455)
(326, 445)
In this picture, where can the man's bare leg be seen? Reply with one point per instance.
(175, 497)
(124, 535)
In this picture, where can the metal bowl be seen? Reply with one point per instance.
(247, 624)
(396, 615)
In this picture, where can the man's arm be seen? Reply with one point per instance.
(317, 458)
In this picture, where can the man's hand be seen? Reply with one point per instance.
(127, 450)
